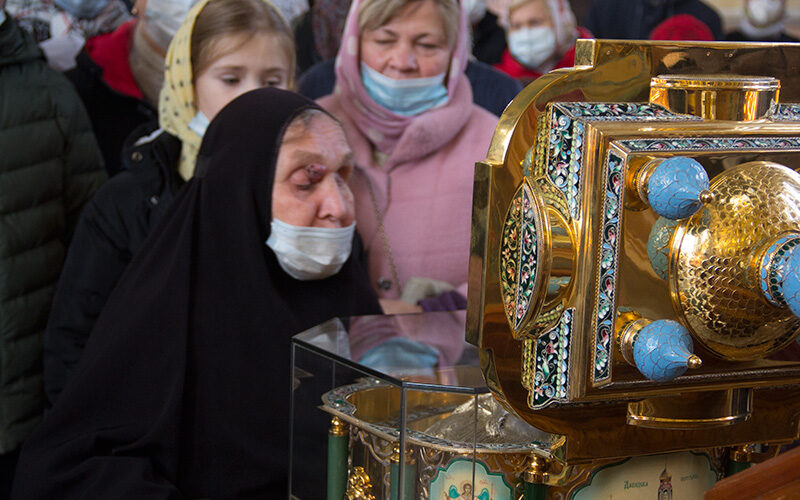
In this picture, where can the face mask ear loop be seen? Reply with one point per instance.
(386, 248)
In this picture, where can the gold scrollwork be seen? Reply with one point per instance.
(359, 485)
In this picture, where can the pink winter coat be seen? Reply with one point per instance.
(424, 187)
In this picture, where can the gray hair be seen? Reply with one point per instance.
(302, 121)
(372, 14)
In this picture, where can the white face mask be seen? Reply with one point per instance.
(199, 124)
(764, 12)
(532, 46)
(310, 253)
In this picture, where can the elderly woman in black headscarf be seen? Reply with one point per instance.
(183, 390)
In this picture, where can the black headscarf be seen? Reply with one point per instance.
(183, 390)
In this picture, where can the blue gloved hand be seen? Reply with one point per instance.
(400, 352)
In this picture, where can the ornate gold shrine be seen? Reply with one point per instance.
(561, 282)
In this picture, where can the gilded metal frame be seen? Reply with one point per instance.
(617, 72)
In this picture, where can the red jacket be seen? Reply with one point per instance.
(515, 69)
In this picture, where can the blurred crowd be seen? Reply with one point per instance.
(154, 199)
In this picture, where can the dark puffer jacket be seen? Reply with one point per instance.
(111, 229)
(50, 166)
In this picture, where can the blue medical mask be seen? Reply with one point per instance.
(407, 97)
(199, 124)
(83, 9)
(310, 253)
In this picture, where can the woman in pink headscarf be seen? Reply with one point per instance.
(407, 109)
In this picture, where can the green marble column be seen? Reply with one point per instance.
(409, 479)
(735, 466)
(535, 491)
(337, 459)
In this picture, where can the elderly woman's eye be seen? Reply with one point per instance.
(315, 172)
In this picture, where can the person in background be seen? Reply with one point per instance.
(491, 89)
(500, 9)
(541, 37)
(635, 19)
(763, 21)
(291, 10)
(119, 74)
(488, 37)
(62, 27)
(682, 27)
(223, 49)
(318, 33)
(406, 106)
(183, 391)
(50, 166)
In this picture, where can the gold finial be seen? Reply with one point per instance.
(706, 197)
(536, 470)
(742, 453)
(338, 428)
(694, 362)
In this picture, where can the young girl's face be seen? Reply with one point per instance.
(259, 62)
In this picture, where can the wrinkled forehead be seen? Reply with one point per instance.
(314, 134)
(312, 121)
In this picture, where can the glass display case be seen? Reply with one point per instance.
(396, 407)
(387, 387)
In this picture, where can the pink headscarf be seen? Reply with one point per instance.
(383, 127)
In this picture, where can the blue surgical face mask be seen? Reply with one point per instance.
(199, 124)
(407, 97)
(310, 253)
(83, 9)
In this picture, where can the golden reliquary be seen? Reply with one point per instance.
(634, 294)
(634, 267)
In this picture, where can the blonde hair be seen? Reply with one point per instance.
(515, 4)
(223, 18)
(372, 14)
